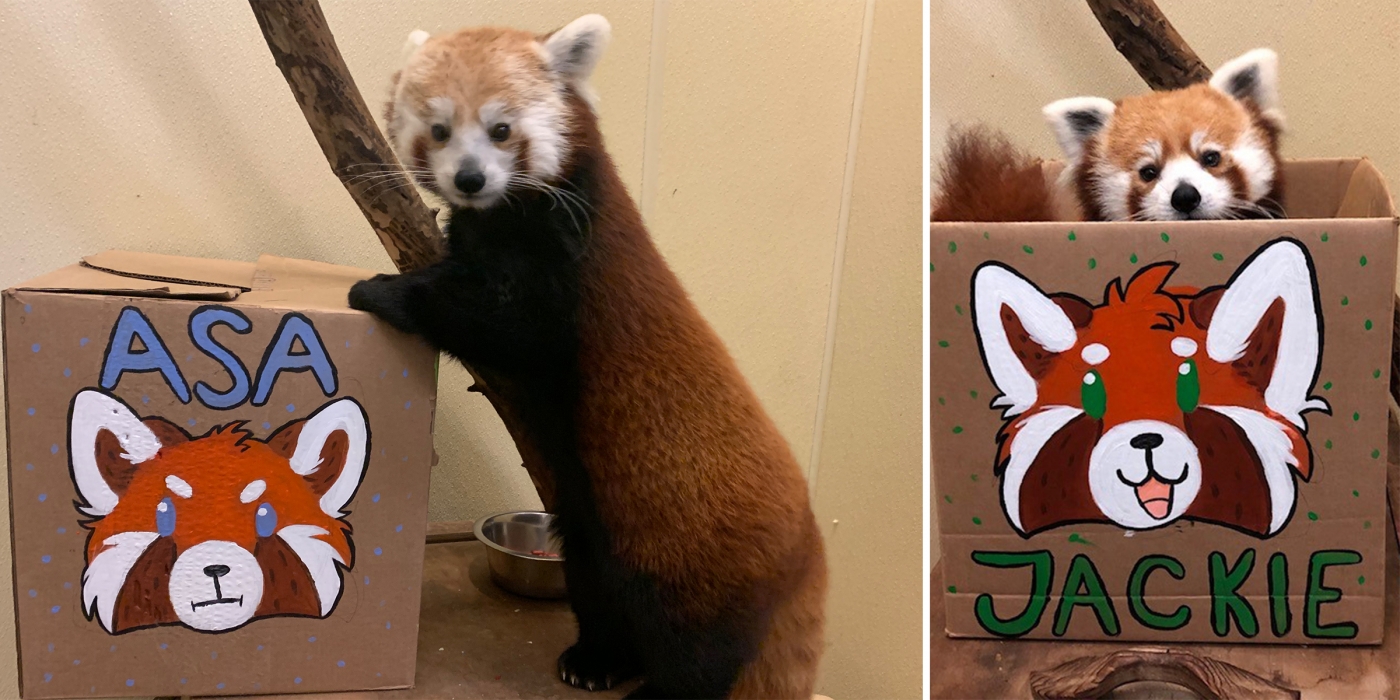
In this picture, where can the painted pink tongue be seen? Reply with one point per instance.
(1156, 498)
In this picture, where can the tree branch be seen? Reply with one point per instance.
(301, 42)
(1143, 35)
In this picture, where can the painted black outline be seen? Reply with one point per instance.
(346, 526)
(1030, 598)
(1310, 600)
(267, 354)
(227, 355)
(1253, 559)
(1069, 614)
(1142, 597)
(107, 355)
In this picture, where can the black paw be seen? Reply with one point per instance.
(591, 670)
(366, 295)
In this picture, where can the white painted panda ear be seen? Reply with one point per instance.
(94, 473)
(1045, 322)
(332, 451)
(1252, 77)
(1280, 271)
(1075, 120)
(573, 51)
(415, 41)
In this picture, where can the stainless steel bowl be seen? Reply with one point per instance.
(510, 538)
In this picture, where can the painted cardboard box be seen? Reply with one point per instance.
(1168, 431)
(218, 479)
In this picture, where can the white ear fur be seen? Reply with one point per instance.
(1253, 77)
(415, 41)
(344, 415)
(573, 51)
(92, 412)
(1075, 120)
(1047, 324)
(1280, 270)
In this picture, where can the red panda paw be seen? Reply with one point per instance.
(592, 669)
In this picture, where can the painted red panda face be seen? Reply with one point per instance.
(1207, 151)
(1158, 404)
(215, 531)
(482, 112)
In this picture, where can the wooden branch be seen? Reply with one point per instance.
(1143, 35)
(305, 51)
(1096, 676)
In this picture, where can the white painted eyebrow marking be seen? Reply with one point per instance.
(252, 491)
(178, 486)
(1094, 353)
(1183, 347)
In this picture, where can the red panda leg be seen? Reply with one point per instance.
(786, 665)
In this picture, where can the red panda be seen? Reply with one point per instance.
(216, 531)
(1158, 404)
(691, 554)
(1205, 151)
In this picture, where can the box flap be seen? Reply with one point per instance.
(122, 273)
(281, 281)
(1366, 194)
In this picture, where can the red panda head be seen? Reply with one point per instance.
(484, 112)
(1158, 404)
(1206, 151)
(215, 531)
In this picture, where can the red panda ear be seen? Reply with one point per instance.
(330, 449)
(115, 470)
(1202, 307)
(1019, 328)
(107, 444)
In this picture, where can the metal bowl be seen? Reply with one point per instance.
(510, 538)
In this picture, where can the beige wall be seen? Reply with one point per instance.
(164, 126)
(1000, 61)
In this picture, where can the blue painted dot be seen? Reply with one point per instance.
(77, 661)
(29, 467)
(366, 580)
(347, 343)
(34, 347)
(28, 308)
(82, 342)
(260, 647)
(192, 422)
(67, 371)
(378, 551)
(130, 682)
(340, 664)
(182, 681)
(267, 425)
(50, 647)
(398, 528)
(46, 559)
(297, 680)
(369, 330)
(311, 639)
(48, 677)
(62, 530)
(112, 648)
(406, 405)
(291, 407)
(405, 372)
(43, 497)
(53, 449)
(145, 399)
(387, 625)
(54, 609)
(219, 686)
(31, 410)
(164, 646)
(405, 458)
(213, 654)
(33, 593)
(67, 584)
(375, 498)
(382, 373)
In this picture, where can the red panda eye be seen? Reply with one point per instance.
(441, 132)
(1148, 173)
(1210, 159)
(500, 132)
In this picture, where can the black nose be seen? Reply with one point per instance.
(215, 570)
(1146, 441)
(470, 181)
(1185, 198)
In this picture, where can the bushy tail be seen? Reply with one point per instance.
(984, 177)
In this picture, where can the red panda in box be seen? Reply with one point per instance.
(1158, 404)
(1205, 151)
(215, 531)
(691, 554)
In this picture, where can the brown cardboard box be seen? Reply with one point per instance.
(218, 479)
(1123, 448)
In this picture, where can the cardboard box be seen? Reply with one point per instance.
(218, 479)
(1130, 421)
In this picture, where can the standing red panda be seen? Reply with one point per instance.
(691, 553)
(1205, 151)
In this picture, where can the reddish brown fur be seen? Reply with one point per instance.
(985, 178)
(689, 472)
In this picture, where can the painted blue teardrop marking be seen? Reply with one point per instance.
(165, 517)
(266, 520)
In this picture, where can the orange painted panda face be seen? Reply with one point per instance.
(481, 112)
(1158, 404)
(215, 531)
(1206, 151)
